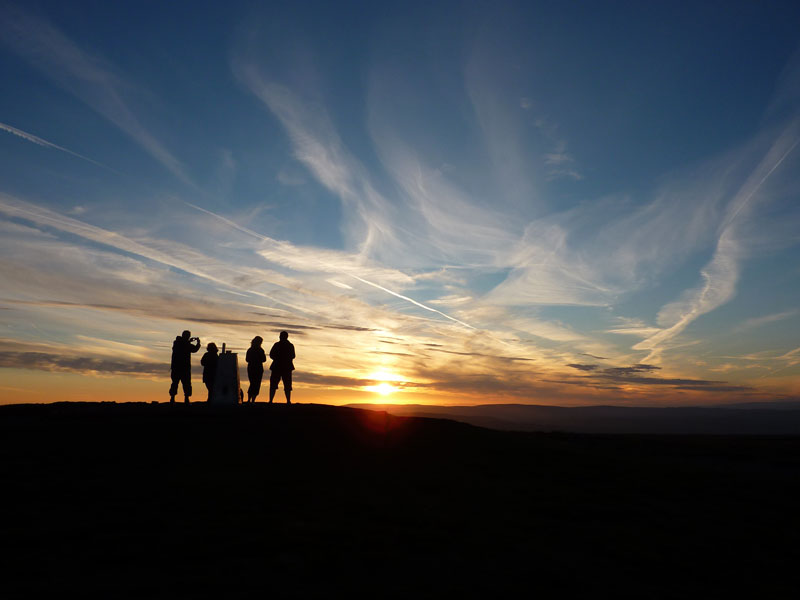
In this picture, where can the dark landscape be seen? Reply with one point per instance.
(766, 418)
(307, 500)
(311, 500)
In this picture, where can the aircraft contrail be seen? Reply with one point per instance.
(370, 283)
(35, 139)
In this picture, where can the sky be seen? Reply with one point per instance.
(446, 203)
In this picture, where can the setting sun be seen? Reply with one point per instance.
(384, 389)
(383, 385)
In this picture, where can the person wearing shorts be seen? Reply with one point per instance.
(282, 355)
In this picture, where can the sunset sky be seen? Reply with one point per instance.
(455, 203)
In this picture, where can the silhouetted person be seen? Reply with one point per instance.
(181, 366)
(209, 362)
(282, 355)
(255, 367)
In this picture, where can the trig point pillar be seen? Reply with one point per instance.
(226, 385)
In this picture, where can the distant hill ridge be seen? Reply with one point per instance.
(771, 418)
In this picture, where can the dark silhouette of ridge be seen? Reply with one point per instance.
(176, 500)
(747, 419)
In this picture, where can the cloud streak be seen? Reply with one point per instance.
(317, 146)
(330, 261)
(721, 274)
(42, 142)
(90, 78)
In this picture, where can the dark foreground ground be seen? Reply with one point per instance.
(308, 500)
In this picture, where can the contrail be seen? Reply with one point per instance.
(61, 222)
(777, 164)
(420, 304)
(39, 141)
(375, 285)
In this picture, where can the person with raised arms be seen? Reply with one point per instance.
(181, 366)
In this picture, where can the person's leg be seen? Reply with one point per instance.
(274, 378)
(257, 384)
(173, 389)
(287, 386)
(187, 386)
(209, 387)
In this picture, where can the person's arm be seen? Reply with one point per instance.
(196, 346)
(291, 350)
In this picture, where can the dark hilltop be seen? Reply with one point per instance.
(312, 500)
(765, 418)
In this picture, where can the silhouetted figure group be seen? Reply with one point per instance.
(282, 355)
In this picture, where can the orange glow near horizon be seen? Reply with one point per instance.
(23, 386)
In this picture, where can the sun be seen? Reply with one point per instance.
(383, 387)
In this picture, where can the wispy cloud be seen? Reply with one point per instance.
(644, 332)
(90, 78)
(89, 280)
(721, 274)
(502, 127)
(330, 261)
(772, 318)
(640, 375)
(560, 163)
(77, 364)
(317, 145)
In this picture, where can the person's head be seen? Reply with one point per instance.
(257, 341)
(212, 347)
(186, 334)
(284, 335)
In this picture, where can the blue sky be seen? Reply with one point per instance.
(477, 202)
